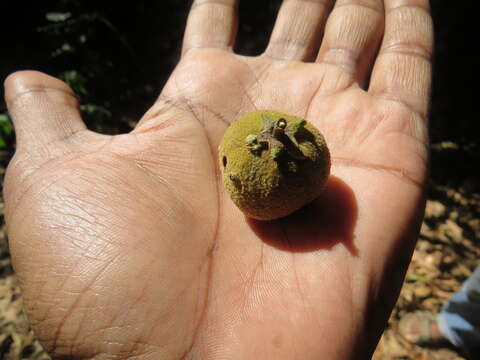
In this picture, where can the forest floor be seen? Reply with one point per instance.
(446, 254)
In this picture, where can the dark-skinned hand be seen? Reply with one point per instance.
(128, 247)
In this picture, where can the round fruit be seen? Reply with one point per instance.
(273, 163)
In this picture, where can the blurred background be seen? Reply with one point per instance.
(117, 56)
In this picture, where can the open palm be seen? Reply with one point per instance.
(128, 246)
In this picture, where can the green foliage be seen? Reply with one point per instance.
(97, 113)
(76, 81)
(6, 130)
(58, 16)
(90, 54)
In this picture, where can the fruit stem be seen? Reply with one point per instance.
(277, 136)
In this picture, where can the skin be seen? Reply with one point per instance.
(127, 247)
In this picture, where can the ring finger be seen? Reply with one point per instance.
(352, 37)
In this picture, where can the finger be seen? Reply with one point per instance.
(402, 71)
(298, 30)
(43, 109)
(211, 24)
(352, 37)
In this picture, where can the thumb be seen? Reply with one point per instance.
(43, 109)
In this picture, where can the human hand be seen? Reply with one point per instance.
(127, 246)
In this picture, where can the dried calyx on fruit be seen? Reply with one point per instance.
(278, 136)
(273, 163)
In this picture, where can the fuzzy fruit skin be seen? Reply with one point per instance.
(264, 188)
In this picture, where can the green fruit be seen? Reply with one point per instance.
(273, 163)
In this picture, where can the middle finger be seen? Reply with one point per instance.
(298, 29)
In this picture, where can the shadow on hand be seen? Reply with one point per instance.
(325, 222)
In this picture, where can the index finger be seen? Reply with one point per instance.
(402, 70)
(211, 24)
